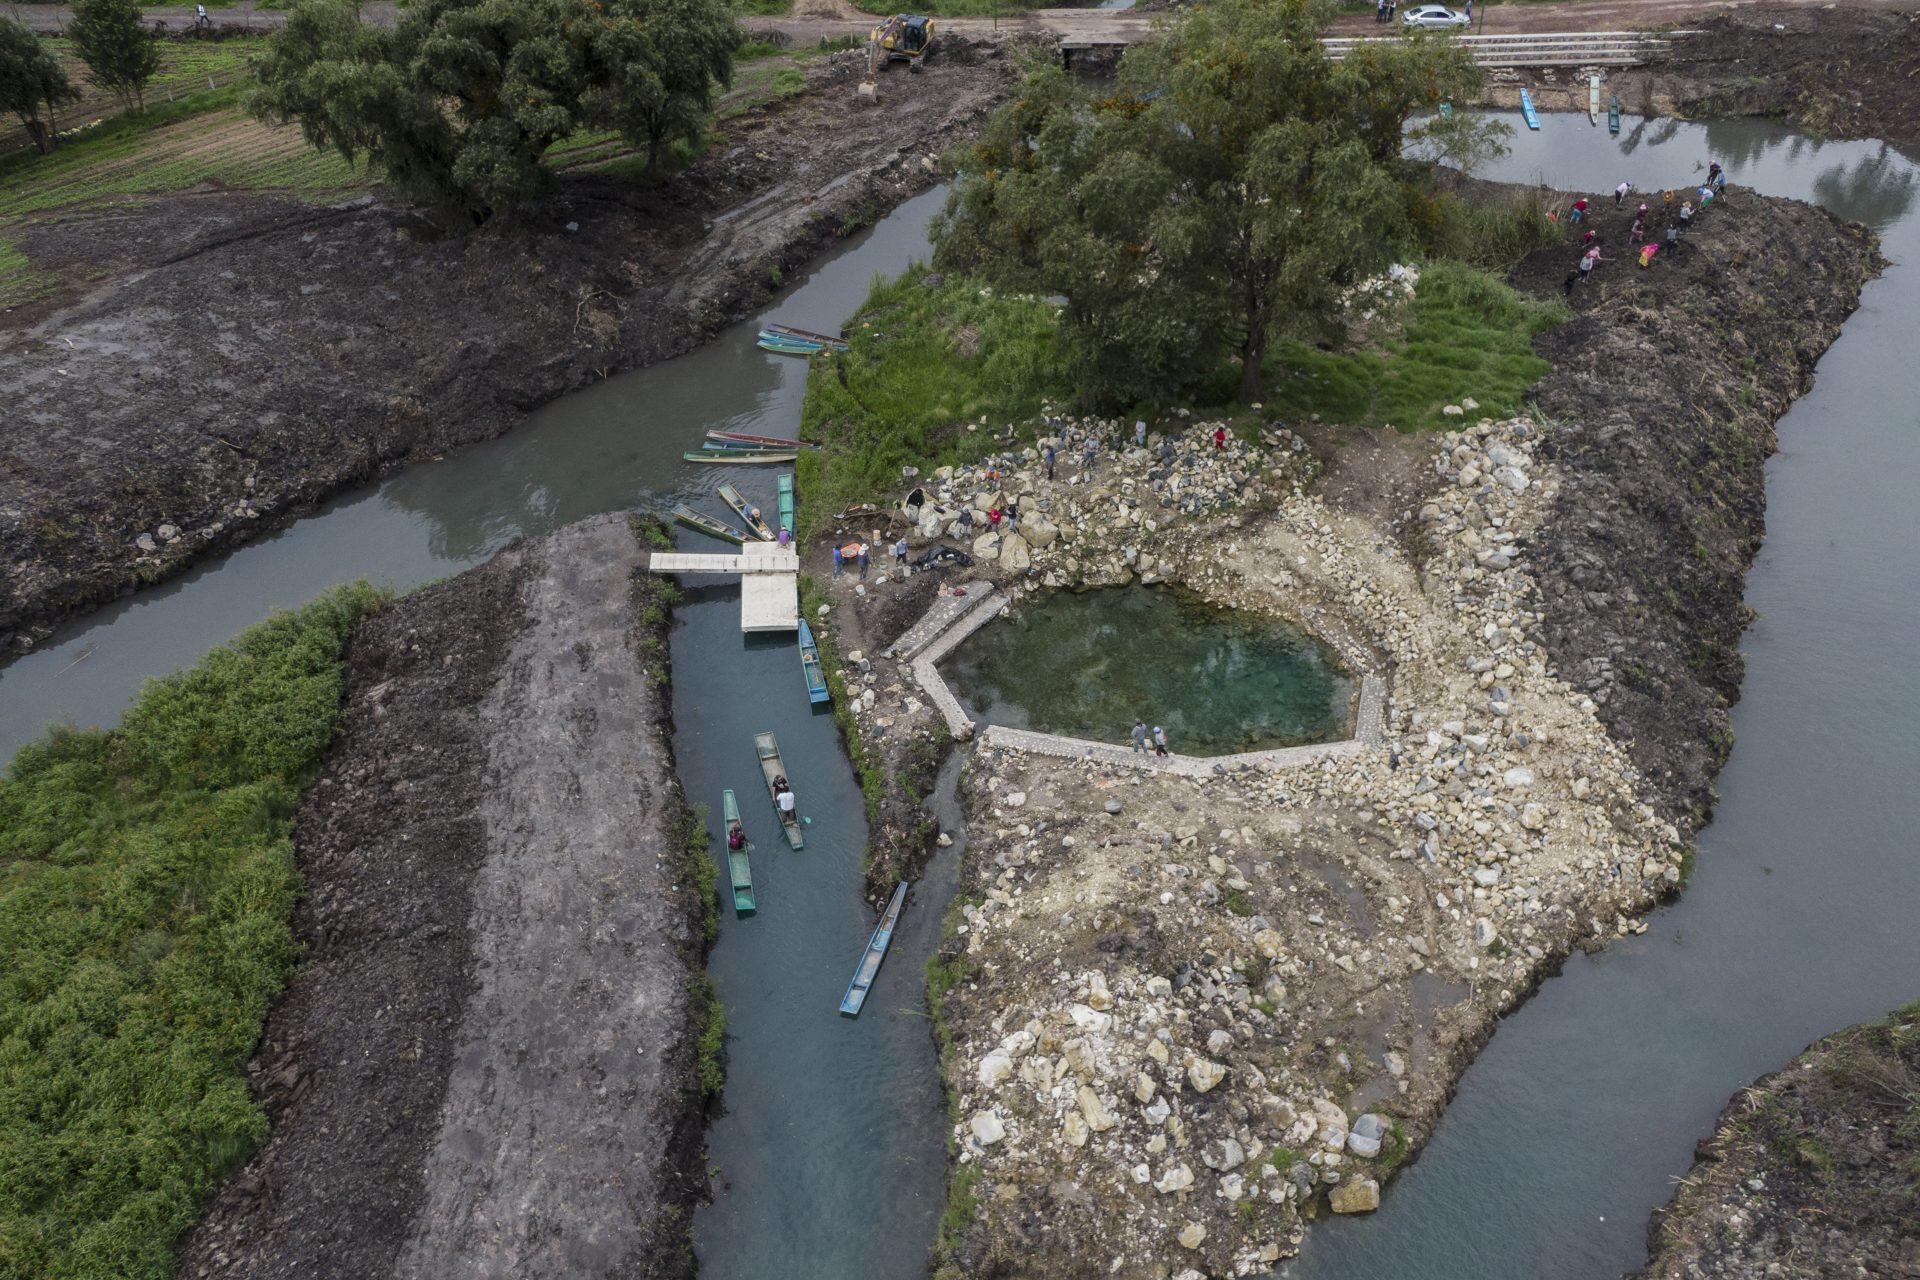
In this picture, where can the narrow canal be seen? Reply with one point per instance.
(1571, 1126)
(829, 1159)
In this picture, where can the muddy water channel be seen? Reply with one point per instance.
(1585, 1106)
(1088, 664)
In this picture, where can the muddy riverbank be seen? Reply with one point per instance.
(242, 358)
(503, 935)
(1661, 402)
(1810, 1172)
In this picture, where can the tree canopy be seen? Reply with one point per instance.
(1221, 196)
(459, 101)
(31, 78)
(112, 39)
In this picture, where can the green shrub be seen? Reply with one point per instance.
(147, 885)
(1468, 334)
(924, 364)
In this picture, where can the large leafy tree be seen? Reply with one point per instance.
(459, 102)
(31, 78)
(114, 42)
(1221, 197)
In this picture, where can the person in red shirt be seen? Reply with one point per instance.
(1579, 210)
(1219, 437)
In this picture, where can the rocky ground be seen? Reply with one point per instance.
(1188, 1015)
(502, 948)
(1813, 1173)
(244, 357)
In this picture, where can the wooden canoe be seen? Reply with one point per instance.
(745, 446)
(738, 867)
(1593, 99)
(1613, 115)
(707, 524)
(810, 666)
(747, 512)
(723, 457)
(876, 952)
(792, 334)
(771, 767)
(1526, 110)
(774, 442)
(786, 502)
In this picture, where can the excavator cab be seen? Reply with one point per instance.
(905, 37)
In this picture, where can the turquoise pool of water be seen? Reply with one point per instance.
(1087, 664)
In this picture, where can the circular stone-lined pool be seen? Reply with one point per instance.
(1086, 664)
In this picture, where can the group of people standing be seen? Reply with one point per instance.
(1640, 234)
(1141, 738)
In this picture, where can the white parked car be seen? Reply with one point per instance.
(1434, 15)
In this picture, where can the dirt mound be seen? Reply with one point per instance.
(1832, 72)
(246, 357)
(502, 945)
(1663, 395)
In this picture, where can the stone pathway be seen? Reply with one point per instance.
(1369, 727)
(940, 615)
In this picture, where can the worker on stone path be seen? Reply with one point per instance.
(1093, 447)
(839, 561)
(1140, 735)
(900, 550)
(1159, 741)
(1140, 433)
(865, 561)
(1050, 457)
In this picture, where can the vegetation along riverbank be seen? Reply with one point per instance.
(1184, 1009)
(1813, 1171)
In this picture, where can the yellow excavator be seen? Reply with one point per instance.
(905, 37)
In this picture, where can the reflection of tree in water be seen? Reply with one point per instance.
(1869, 181)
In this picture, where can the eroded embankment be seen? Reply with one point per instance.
(1188, 1015)
(486, 1066)
(1812, 1173)
(1663, 397)
(245, 357)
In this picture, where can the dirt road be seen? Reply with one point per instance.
(813, 19)
(485, 1067)
(241, 358)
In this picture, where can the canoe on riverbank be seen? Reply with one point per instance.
(708, 524)
(771, 767)
(786, 336)
(877, 945)
(738, 868)
(771, 442)
(1526, 110)
(810, 666)
(724, 457)
(746, 511)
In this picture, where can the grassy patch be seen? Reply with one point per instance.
(147, 883)
(200, 139)
(709, 1018)
(867, 764)
(924, 364)
(963, 1204)
(1468, 334)
(763, 8)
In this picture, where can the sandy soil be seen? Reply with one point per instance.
(246, 357)
(484, 1067)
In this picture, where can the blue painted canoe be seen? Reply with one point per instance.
(1613, 116)
(877, 945)
(1526, 109)
(810, 666)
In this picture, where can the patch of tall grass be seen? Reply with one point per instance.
(925, 364)
(1484, 233)
(147, 886)
(1468, 334)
